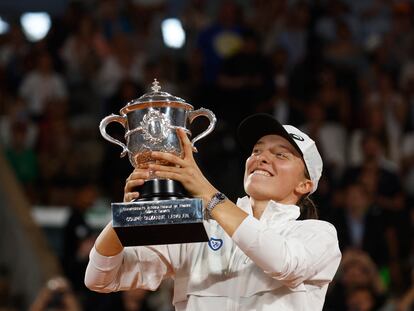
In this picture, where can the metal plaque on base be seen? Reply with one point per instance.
(159, 222)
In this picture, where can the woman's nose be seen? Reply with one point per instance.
(262, 157)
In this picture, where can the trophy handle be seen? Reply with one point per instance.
(205, 113)
(102, 127)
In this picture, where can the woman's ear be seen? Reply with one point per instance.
(304, 187)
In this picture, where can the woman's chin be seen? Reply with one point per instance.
(257, 193)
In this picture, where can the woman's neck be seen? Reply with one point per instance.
(258, 207)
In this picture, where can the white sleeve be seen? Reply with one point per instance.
(135, 267)
(309, 252)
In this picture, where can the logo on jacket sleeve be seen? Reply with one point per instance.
(215, 244)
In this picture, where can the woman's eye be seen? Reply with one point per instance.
(281, 155)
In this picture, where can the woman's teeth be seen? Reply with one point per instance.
(260, 172)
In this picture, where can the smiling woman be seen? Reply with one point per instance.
(290, 145)
(273, 169)
(260, 256)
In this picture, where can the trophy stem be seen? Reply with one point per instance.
(161, 189)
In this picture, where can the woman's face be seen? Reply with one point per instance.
(275, 171)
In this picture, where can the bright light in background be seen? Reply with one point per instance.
(35, 25)
(173, 33)
(4, 26)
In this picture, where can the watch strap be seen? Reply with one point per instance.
(216, 199)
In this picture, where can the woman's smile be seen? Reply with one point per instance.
(261, 172)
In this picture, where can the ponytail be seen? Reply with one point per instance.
(307, 208)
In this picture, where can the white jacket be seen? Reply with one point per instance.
(275, 263)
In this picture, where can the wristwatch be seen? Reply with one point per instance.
(217, 198)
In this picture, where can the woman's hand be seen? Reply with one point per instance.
(137, 178)
(183, 170)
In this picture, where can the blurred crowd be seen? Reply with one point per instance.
(341, 70)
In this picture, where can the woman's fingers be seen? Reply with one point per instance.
(164, 168)
(168, 157)
(128, 197)
(137, 178)
(186, 144)
(131, 184)
(170, 172)
(139, 174)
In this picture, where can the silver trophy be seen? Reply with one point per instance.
(164, 212)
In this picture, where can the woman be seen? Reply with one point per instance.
(259, 257)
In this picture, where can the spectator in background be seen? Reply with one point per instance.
(406, 301)
(326, 26)
(195, 19)
(343, 51)
(135, 300)
(163, 70)
(41, 85)
(401, 35)
(78, 240)
(221, 39)
(78, 236)
(14, 50)
(8, 302)
(407, 163)
(391, 102)
(406, 80)
(407, 145)
(59, 160)
(380, 181)
(361, 298)
(361, 224)
(384, 186)
(268, 18)
(333, 98)
(127, 91)
(373, 124)
(123, 63)
(330, 136)
(56, 295)
(293, 34)
(244, 81)
(83, 51)
(16, 112)
(356, 271)
(13, 45)
(23, 159)
(281, 105)
(112, 18)
(374, 18)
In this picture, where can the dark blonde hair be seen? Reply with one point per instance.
(307, 206)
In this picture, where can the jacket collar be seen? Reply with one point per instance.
(273, 211)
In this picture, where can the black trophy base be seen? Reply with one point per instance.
(156, 222)
(161, 189)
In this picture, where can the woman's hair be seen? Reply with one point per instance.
(307, 207)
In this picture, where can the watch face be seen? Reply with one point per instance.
(221, 196)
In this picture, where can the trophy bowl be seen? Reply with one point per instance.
(151, 124)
